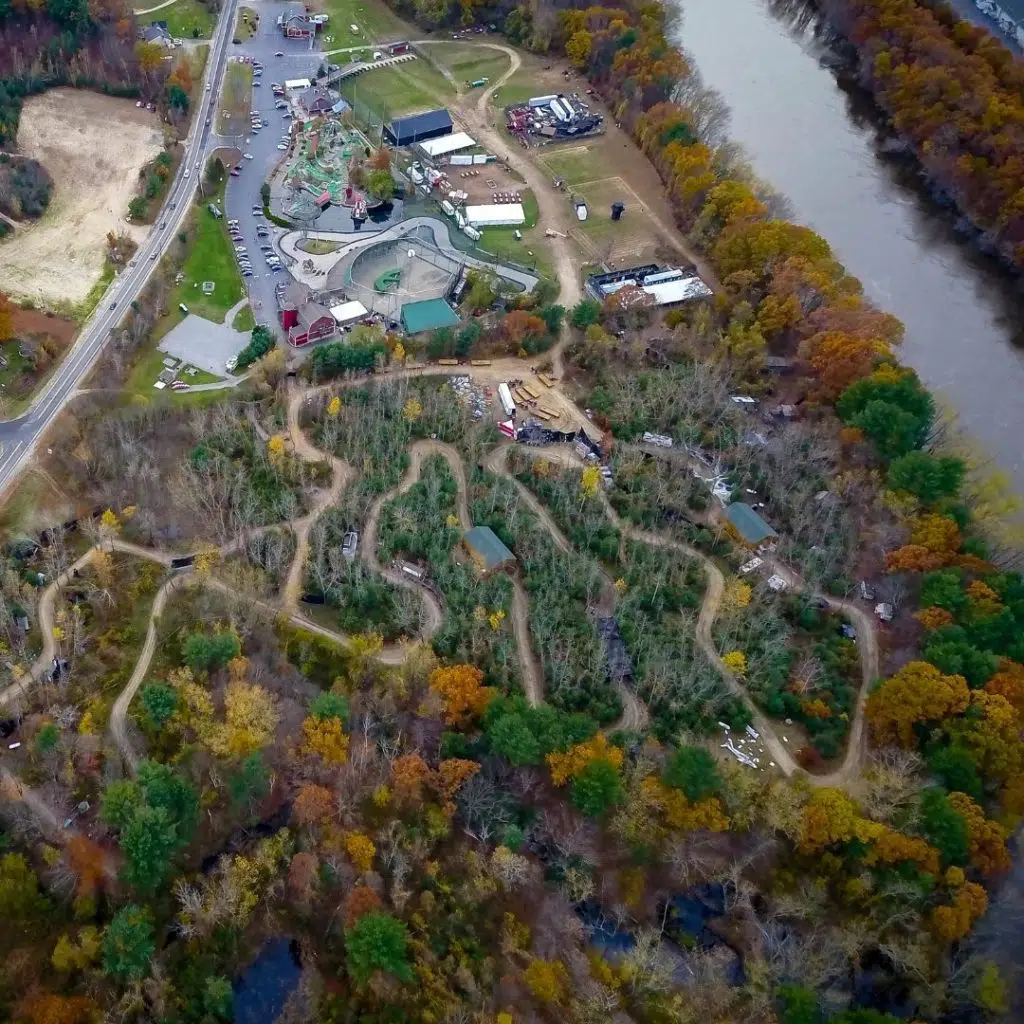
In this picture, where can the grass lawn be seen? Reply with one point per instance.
(235, 101)
(210, 258)
(403, 89)
(502, 242)
(244, 319)
(375, 21)
(245, 26)
(147, 368)
(469, 63)
(519, 88)
(317, 246)
(575, 164)
(186, 19)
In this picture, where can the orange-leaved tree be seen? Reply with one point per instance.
(916, 694)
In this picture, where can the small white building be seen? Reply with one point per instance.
(349, 312)
(495, 215)
(294, 84)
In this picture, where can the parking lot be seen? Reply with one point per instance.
(243, 192)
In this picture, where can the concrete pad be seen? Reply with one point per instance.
(204, 344)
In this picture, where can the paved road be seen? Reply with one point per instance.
(19, 437)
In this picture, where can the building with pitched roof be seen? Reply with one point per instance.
(748, 527)
(486, 550)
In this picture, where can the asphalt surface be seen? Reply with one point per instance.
(243, 192)
(18, 437)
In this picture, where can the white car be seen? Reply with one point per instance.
(281, 146)
(231, 364)
(247, 156)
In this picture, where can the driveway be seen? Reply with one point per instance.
(243, 192)
(204, 343)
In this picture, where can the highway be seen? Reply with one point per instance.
(19, 437)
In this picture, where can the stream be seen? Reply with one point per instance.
(823, 147)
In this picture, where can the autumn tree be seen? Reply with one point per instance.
(6, 318)
(465, 700)
(360, 902)
(313, 805)
(917, 694)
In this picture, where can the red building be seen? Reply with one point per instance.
(314, 323)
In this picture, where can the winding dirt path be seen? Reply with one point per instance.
(119, 712)
(635, 716)
(341, 473)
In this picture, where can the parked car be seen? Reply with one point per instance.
(231, 364)
(247, 156)
(280, 53)
(281, 146)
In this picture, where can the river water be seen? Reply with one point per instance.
(820, 146)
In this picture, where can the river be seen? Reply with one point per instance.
(820, 146)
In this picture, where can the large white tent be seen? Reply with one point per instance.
(495, 214)
(447, 144)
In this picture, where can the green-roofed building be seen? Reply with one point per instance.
(747, 526)
(486, 549)
(427, 315)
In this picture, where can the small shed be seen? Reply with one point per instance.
(427, 315)
(747, 526)
(487, 550)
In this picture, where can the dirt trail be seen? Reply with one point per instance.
(529, 663)
(433, 615)
(635, 716)
(341, 473)
(119, 712)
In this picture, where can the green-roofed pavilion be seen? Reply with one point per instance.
(486, 549)
(427, 315)
(748, 526)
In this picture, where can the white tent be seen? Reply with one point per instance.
(495, 214)
(348, 311)
(447, 144)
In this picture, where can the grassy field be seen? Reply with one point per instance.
(502, 242)
(186, 19)
(235, 101)
(403, 89)
(375, 22)
(210, 258)
(244, 319)
(469, 63)
(576, 164)
(148, 367)
(245, 27)
(519, 88)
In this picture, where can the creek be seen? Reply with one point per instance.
(824, 146)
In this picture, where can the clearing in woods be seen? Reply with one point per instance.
(93, 146)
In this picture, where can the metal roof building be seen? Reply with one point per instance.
(404, 131)
(427, 315)
(748, 526)
(486, 549)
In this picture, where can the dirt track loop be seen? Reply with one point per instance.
(634, 716)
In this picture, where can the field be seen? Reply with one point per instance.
(93, 146)
(376, 24)
(210, 258)
(186, 19)
(147, 369)
(235, 101)
(403, 89)
(535, 77)
(469, 63)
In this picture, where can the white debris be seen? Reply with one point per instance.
(777, 583)
(748, 567)
(752, 732)
(723, 726)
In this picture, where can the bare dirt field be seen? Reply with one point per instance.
(93, 146)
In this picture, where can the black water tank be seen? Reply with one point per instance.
(617, 209)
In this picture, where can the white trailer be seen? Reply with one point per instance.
(505, 396)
